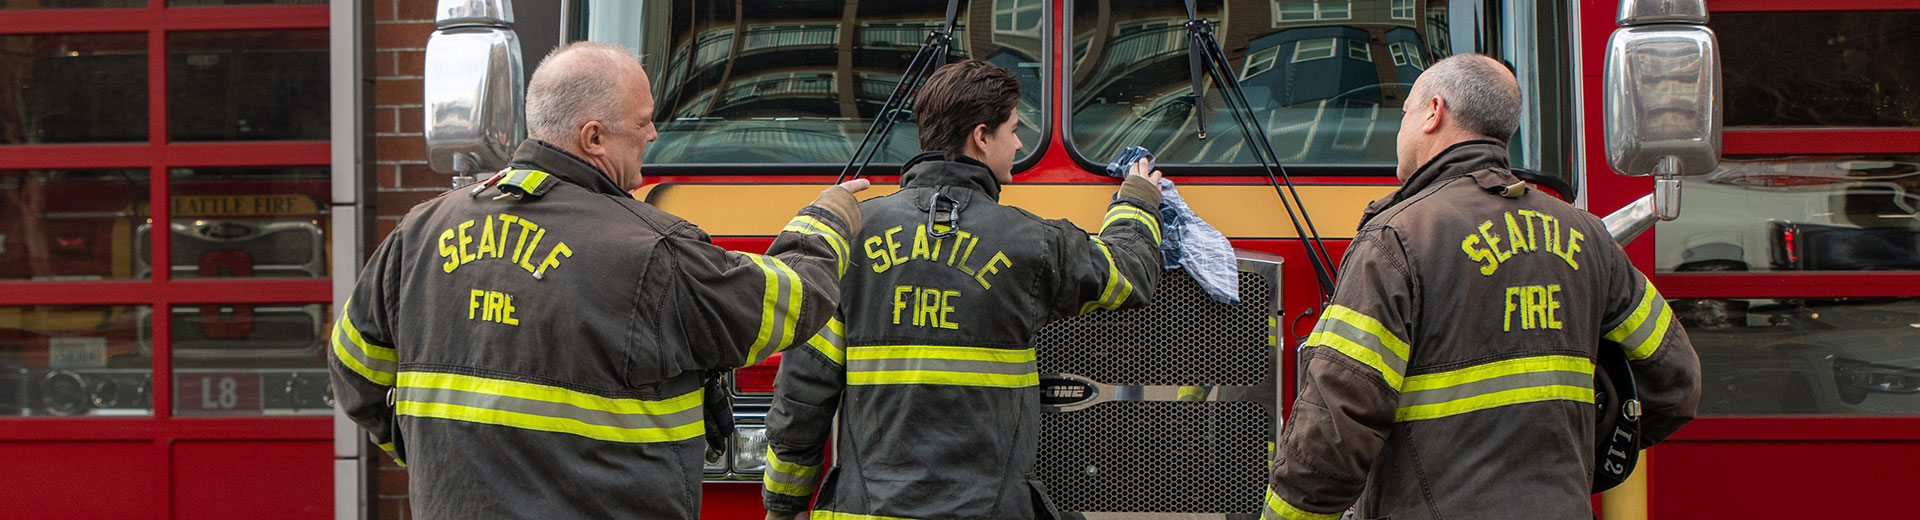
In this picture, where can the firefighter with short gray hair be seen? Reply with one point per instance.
(537, 345)
(1452, 376)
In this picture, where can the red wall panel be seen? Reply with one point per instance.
(1783, 479)
(252, 479)
(81, 480)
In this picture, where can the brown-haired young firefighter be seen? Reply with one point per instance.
(535, 348)
(930, 363)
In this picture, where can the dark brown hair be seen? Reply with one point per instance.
(959, 96)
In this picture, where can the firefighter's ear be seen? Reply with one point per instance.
(977, 140)
(590, 138)
(1440, 112)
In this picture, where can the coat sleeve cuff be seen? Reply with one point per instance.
(1141, 189)
(842, 205)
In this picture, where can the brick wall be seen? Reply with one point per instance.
(400, 31)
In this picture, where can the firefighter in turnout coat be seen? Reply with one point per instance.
(535, 346)
(933, 370)
(1452, 376)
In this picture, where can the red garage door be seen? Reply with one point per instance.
(164, 273)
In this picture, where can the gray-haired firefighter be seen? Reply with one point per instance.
(1453, 374)
(933, 370)
(535, 346)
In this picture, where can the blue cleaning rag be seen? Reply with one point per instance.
(1191, 243)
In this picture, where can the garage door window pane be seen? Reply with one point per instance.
(75, 361)
(250, 359)
(250, 222)
(73, 88)
(247, 85)
(66, 225)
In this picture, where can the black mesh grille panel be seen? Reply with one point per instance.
(1157, 456)
(1184, 338)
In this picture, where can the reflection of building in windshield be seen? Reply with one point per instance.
(801, 82)
(1325, 75)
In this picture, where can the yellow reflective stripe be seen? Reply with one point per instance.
(780, 308)
(831, 341)
(1358, 353)
(1364, 339)
(1644, 330)
(1277, 509)
(1118, 287)
(822, 514)
(1492, 385)
(788, 478)
(549, 408)
(807, 225)
(1372, 326)
(376, 363)
(941, 365)
(1120, 211)
(526, 180)
(392, 452)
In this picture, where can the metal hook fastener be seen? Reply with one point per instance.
(953, 216)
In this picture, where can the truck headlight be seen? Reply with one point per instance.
(1858, 378)
(749, 449)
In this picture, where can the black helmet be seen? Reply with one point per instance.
(1617, 436)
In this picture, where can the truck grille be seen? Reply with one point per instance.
(1138, 446)
(1184, 338)
(1163, 457)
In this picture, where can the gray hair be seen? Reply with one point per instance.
(1474, 91)
(576, 84)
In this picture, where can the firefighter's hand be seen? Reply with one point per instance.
(786, 516)
(856, 185)
(1144, 168)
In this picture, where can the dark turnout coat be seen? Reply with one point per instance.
(1452, 375)
(543, 356)
(931, 365)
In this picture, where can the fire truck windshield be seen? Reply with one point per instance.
(800, 82)
(1326, 78)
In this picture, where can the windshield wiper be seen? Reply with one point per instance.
(1204, 56)
(932, 55)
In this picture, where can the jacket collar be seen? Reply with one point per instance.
(949, 169)
(1462, 159)
(544, 156)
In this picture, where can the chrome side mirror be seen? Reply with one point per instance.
(474, 88)
(1662, 101)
